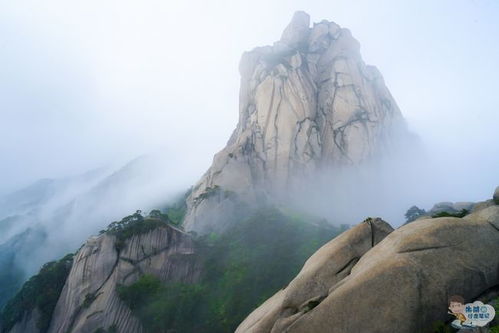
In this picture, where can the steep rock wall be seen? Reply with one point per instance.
(306, 103)
(89, 299)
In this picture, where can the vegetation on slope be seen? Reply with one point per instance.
(460, 214)
(176, 213)
(10, 279)
(242, 268)
(415, 212)
(160, 306)
(40, 292)
(12, 272)
(135, 224)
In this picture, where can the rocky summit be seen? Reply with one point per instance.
(308, 102)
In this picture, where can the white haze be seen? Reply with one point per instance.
(62, 213)
(93, 84)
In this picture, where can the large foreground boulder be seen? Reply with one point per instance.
(400, 285)
(328, 266)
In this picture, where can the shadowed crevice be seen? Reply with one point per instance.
(348, 266)
(426, 248)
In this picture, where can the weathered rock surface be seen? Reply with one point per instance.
(89, 300)
(328, 266)
(402, 284)
(496, 196)
(307, 102)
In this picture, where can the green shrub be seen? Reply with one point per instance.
(140, 292)
(176, 210)
(460, 214)
(41, 292)
(89, 299)
(161, 306)
(135, 224)
(10, 281)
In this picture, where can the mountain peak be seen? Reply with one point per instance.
(307, 102)
(297, 30)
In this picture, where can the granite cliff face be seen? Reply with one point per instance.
(385, 281)
(89, 301)
(306, 103)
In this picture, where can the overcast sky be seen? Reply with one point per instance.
(87, 83)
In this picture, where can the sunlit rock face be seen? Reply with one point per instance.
(306, 103)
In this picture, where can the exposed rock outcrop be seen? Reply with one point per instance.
(401, 284)
(89, 300)
(327, 267)
(306, 103)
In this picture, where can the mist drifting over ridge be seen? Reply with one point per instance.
(155, 97)
(55, 216)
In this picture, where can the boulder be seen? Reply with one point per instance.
(327, 267)
(402, 284)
